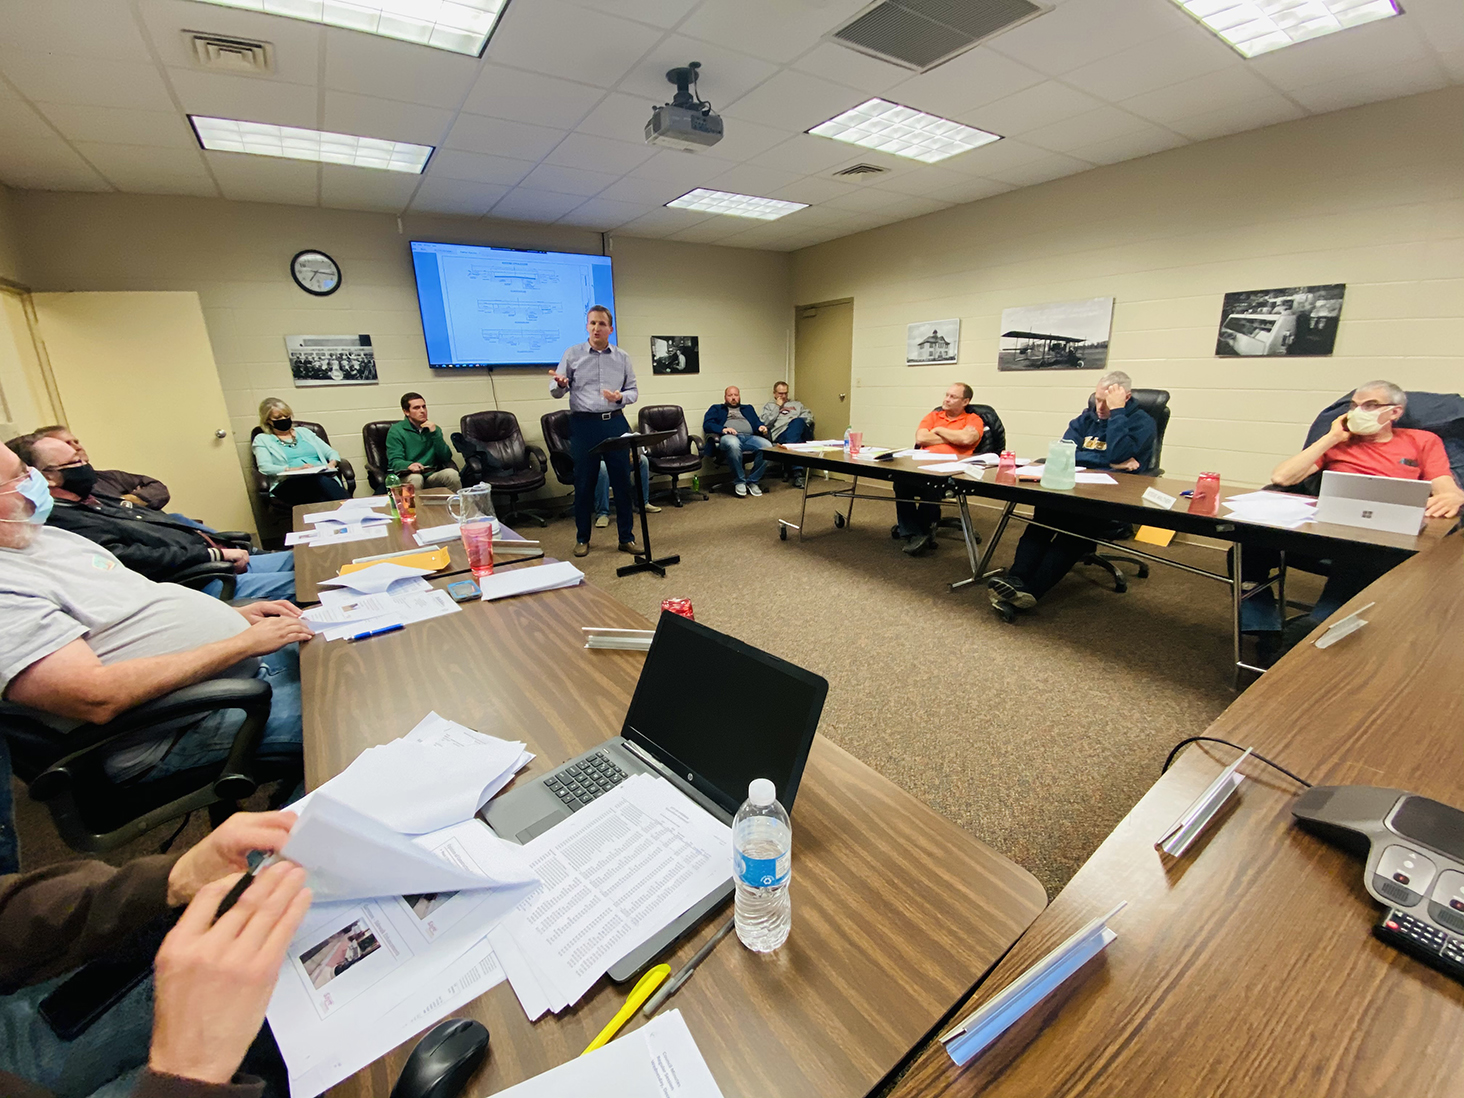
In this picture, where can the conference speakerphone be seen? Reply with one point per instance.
(1414, 850)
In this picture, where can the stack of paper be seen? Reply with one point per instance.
(814, 447)
(659, 1060)
(353, 520)
(615, 873)
(1284, 509)
(376, 598)
(527, 581)
(923, 455)
(1092, 476)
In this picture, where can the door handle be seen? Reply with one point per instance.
(221, 433)
(842, 395)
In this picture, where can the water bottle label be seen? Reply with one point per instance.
(761, 872)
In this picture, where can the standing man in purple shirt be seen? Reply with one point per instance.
(600, 382)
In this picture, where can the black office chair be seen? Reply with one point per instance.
(710, 446)
(1156, 403)
(373, 441)
(500, 457)
(993, 441)
(555, 426)
(676, 456)
(93, 814)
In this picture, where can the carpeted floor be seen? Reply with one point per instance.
(1036, 737)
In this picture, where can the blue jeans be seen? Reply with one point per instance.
(101, 1063)
(797, 431)
(732, 447)
(210, 740)
(9, 843)
(269, 576)
(602, 486)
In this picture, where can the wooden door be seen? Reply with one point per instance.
(136, 376)
(823, 352)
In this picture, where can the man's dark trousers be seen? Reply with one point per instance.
(587, 430)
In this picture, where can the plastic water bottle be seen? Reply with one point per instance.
(392, 482)
(847, 431)
(762, 867)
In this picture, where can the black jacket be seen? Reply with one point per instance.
(144, 540)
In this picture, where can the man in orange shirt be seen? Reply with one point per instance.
(950, 429)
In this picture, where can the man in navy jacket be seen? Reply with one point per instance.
(736, 428)
(1112, 435)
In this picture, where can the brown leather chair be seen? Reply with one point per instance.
(555, 426)
(373, 440)
(261, 482)
(676, 456)
(513, 468)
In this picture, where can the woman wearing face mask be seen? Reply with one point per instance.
(282, 444)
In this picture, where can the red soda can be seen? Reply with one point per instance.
(678, 606)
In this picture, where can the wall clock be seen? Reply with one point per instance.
(315, 272)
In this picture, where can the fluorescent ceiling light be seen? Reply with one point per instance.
(266, 139)
(736, 205)
(462, 26)
(1254, 27)
(903, 131)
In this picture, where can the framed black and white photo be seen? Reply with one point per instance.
(1061, 335)
(932, 342)
(331, 360)
(1296, 320)
(675, 355)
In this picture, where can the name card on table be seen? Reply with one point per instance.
(1156, 498)
(980, 1028)
(1202, 810)
(1344, 628)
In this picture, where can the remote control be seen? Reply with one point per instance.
(1434, 947)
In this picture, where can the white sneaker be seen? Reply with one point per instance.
(754, 489)
(741, 489)
(651, 509)
(602, 521)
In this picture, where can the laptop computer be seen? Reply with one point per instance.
(710, 713)
(1391, 504)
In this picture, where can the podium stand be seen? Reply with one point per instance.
(633, 442)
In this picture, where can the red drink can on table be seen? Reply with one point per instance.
(1206, 497)
(678, 606)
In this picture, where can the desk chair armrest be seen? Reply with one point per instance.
(539, 457)
(238, 539)
(200, 576)
(695, 445)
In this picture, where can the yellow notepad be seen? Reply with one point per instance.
(435, 559)
(1154, 536)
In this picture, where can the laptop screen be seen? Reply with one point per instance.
(711, 706)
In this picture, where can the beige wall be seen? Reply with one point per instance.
(10, 268)
(236, 256)
(1373, 197)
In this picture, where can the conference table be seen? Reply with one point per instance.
(1122, 503)
(321, 562)
(1247, 966)
(897, 913)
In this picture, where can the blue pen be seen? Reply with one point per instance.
(377, 632)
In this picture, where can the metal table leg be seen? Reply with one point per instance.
(968, 533)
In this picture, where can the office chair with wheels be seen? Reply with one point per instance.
(1156, 403)
(373, 441)
(94, 814)
(506, 462)
(261, 482)
(676, 456)
(555, 426)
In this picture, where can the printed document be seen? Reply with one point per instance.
(375, 580)
(527, 581)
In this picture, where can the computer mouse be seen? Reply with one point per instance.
(444, 1060)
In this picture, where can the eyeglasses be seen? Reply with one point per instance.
(1372, 405)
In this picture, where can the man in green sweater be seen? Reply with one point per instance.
(416, 450)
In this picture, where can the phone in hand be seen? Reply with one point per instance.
(464, 591)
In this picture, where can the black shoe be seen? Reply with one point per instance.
(916, 545)
(1010, 589)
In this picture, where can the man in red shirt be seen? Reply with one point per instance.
(950, 429)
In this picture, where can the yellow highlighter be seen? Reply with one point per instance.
(638, 995)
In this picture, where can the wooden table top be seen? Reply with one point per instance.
(313, 564)
(1248, 966)
(893, 922)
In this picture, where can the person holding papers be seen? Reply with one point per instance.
(736, 427)
(950, 429)
(600, 383)
(182, 1033)
(281, 445)
(1111, 434)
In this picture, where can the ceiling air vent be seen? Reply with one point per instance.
(921, 34)
(236, 55)
(859, 170)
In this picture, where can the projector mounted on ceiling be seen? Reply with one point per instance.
(686, 122)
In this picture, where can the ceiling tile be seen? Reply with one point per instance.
(1009, 153)
(475, 133)
(86, 81)
(793, 101)
(663, 221)
(502, 92)
(47, 165)
(972, 190)
(389, 69)
(1361, 49)
(1227, 88)
(774, 30)
(1174, 57)
(22, 124)
(140, 170)
(1389, 83)
(1037, 106)
(366, 116)
(912, 206)
(711, 230)
(120, 125)
(1144, 142)
(554, 38)
(682, 169)
(660, 13)
(815, 189)
(864, 199)
(806, 155)
(1438, 22)
(1039, 171)
(522, 204)
(724, 76)
(245, 178)
(621, 117)
(1078, 32)
(344, 188)
(252, 98)
(750, 179)
(842, 65)
(457, 196)
(582, 150)
(1087, 128)
(603, 214)
(105, 31)
(742, 140)
(477, 168)
(1454, 65)
(296, 43)
(649, 192)
(1247, 116)
(976, 77)
(551, 177)
(927, 180)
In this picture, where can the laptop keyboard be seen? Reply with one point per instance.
(581, 783)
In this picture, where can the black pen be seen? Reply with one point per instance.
(671, 986)
(243, 883)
